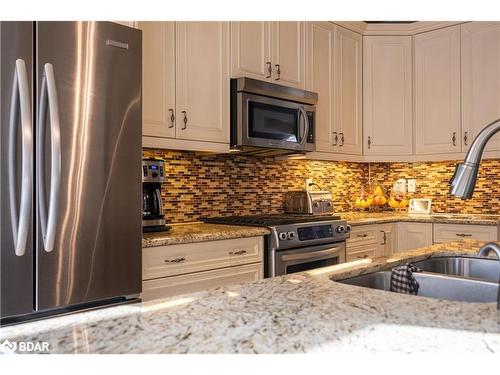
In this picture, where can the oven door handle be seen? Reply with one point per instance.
(303, 113)
(316, 255)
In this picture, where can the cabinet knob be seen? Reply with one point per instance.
(335, 139)
(466, 138)
(278, 71)
(269, 69)
(369, 142)
(185, 120)
(454, 138)
(341, 139)
(172, 117)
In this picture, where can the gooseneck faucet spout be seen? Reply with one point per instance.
(464, 180)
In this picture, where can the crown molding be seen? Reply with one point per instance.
(395, 29)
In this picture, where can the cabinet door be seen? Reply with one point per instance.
(202, 81)
(413, 236)
(288, 53)
(456, 232)
(158, 79)
(480, 80)
(437, 91)
(347, 91)
(198, 281)
(387, 95)
(320, 80)
(251, 50)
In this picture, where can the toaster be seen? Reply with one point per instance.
(309, 202)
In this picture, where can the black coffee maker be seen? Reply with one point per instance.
(153, 219)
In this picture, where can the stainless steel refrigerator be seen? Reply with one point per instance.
(70, 150)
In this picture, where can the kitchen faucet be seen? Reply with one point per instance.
(484, 251)
(464, 180)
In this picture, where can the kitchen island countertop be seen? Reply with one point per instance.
(304, 312)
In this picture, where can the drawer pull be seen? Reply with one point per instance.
(463, 234)
(175, 260)
(239, 252)
(362, 256)
(362, 235)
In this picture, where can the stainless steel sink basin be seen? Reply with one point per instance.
(435, 285)
(478, 268)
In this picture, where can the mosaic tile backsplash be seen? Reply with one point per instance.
(200, 185)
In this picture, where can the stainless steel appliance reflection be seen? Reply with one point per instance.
(70, 232)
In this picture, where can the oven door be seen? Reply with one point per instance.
(303, 259)
(275, 123)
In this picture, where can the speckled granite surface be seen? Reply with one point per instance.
(364, 218)
(305, 312)
(199, 232)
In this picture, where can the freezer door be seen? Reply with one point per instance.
(88, 162)
(16, 159)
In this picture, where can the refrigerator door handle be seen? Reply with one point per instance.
(48, 99)
(20, 100)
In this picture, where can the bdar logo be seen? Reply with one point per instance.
(8, 347)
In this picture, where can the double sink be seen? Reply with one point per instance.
(451, 278)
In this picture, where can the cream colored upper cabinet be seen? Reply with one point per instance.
(202, 81)
(251, 50)
(288, 53)
(480, 80)
(347, 92)
(158, 79)
(437, 91)
(269, 51)
(387, 95)
(320, 37)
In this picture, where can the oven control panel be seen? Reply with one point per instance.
(314, 232)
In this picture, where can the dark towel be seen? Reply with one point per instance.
(403, 281)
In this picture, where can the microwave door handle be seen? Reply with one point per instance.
(306, 122)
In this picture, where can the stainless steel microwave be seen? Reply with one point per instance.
(267, 116)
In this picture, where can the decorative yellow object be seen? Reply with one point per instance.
(378, 191)
(393, 203)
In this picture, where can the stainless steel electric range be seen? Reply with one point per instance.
(297, 242)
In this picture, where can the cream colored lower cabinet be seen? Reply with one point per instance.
(195, 282)
(370, 241)
(413, 236)
(456, 232)
(183, 268)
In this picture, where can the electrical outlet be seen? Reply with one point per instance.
(412, 186)
(309, 181)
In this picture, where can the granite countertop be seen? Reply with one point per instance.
(304, 312)
(364, 218)
(199, 232)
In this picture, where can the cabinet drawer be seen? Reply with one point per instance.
(195, 282)
(455, 232)
(361, 253)
(179, 259)
(363, 235)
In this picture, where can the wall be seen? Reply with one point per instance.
(432, 182)
(211, 185)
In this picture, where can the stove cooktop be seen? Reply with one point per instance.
(269, 220)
